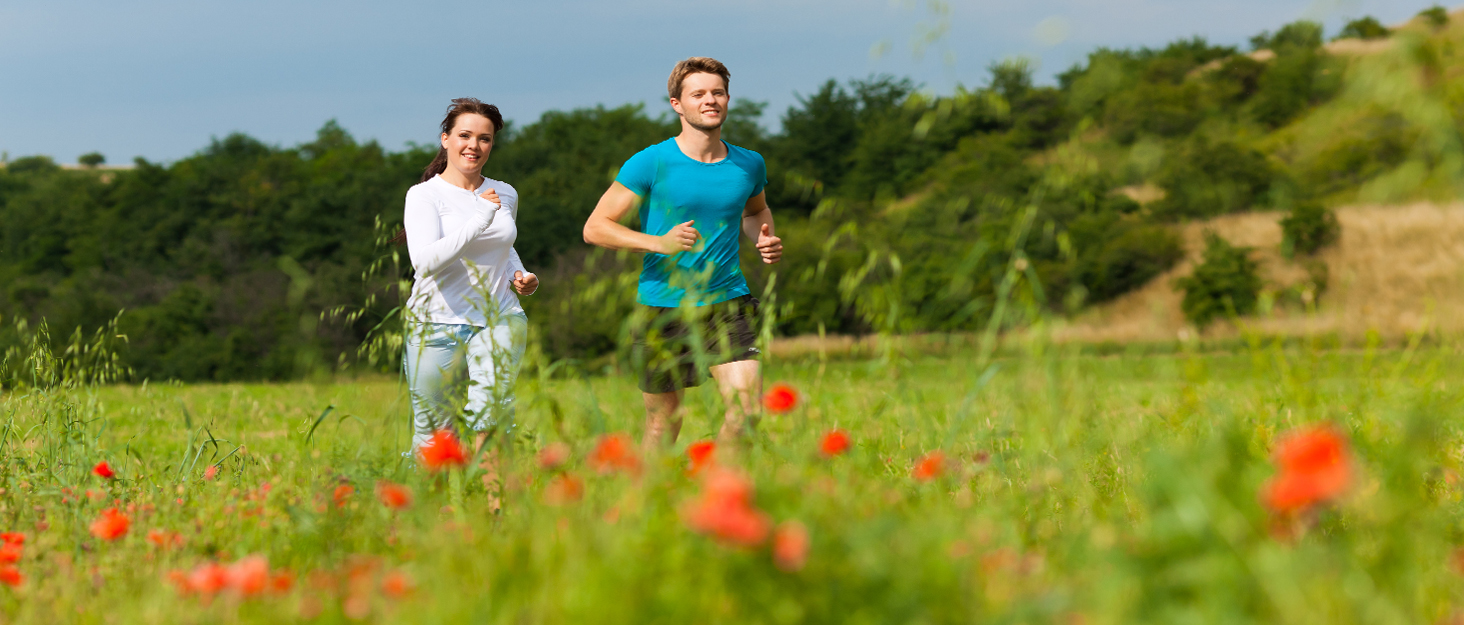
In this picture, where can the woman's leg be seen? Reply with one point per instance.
(433, 360)
(494, 355)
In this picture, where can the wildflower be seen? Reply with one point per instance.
(10, 554)
(1314, 467)
(12, 538)
(553, 455)
(11, 576)
(207, 578)
(394, 496)
(724, 510)
(564, 488)
(211, 472)
(834, 443)
(163, 539)
(929, 467)
(396, 585)
(103, 471)
(341, 494)
(780, 398)
(249, 576)
(282, 582)
(790, 546)
(443, 451)
(700, 454)
(614, 452)
(111, 525)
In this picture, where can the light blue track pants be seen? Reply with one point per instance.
(440, 358)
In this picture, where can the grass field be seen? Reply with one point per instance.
(1074, 489)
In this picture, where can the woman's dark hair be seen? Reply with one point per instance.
(458, 107)
(439, 164)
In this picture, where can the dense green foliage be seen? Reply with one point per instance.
(901, 210)
(1308, 228)
(1226, 283)
(1363, 28)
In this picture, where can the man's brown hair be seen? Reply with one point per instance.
(696, 65)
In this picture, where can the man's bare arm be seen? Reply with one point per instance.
(604, 227)
(757, 224)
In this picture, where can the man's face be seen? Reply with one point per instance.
(703, 101)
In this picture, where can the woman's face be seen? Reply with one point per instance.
(469, 143)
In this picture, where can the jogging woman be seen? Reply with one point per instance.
(465, 327)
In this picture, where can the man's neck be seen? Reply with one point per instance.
(701, 145)
(461, 180)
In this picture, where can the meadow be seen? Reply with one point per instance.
(1042, 487)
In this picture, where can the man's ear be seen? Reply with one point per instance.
(676, 105)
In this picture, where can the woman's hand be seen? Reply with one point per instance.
(491, 196)
(525, 283)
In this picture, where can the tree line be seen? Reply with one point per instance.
(901, 210)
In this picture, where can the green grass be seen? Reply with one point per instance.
(1080, 489)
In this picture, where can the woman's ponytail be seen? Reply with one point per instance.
(437, 166)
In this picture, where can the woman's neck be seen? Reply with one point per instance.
(459, 179)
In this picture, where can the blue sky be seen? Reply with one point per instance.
(159, 78)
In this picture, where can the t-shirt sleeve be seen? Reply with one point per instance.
(760, 176)
(638, 173)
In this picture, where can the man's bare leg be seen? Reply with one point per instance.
(741, 386)
(662, 423)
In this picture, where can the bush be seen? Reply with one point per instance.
(1363, 28)
(1208, 178)
(1307, 229)
(1121, 256)
(1435, 16)
(1226, 282)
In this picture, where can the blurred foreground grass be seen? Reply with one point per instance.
(1076, 489)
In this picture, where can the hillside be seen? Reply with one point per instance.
(1396, 269)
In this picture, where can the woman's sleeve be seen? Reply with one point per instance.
(429, 248)
(514, 262)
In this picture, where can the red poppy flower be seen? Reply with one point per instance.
(563, 489)
(207, 578)
(834, 443)
(443, 451)
(10, 554)
(931, 466)
(700, 453)
(111, 525)
(12, 538)
(282, 582)
(211, 472)
(724, 510)
(396, 585)
(11, 576)
(103, 471)
(164, 540)
(790, 546)
(780, 398)
(1314, 467)
(394, 496)
(614, 452)
(249, 576)
(553, 455)
(341, 494)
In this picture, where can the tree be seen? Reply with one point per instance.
(91, 159)
(1367, 27)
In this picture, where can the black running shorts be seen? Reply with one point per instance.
(674, 348)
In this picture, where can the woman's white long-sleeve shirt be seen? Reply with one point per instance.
(461, 246)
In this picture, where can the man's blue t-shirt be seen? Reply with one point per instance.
(675, 189)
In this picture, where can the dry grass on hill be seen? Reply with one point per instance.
(1397, 269)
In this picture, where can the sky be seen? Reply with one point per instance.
(160, 79)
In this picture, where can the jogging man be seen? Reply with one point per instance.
(695, 194)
